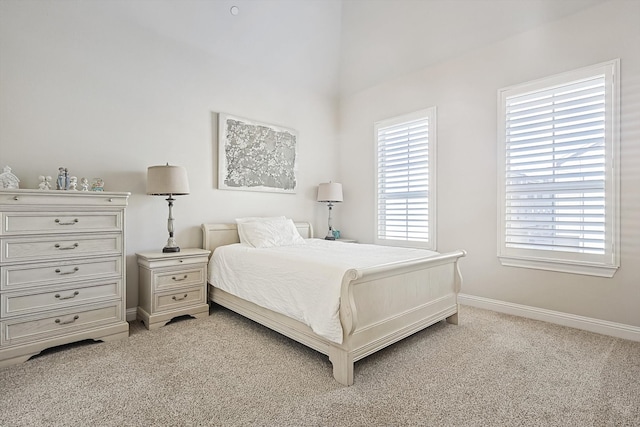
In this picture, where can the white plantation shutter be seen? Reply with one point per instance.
(558, 178)
(405, 180)
(555, 168)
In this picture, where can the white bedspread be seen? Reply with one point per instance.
(300, 281)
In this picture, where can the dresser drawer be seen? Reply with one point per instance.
(167, 279)
(63, 222)
(20, 276)
(21, 330)
(52, 200)
(178, 299)
(34, 301)
(26, 249)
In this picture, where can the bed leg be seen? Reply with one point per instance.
(342, 361)
(453, 319)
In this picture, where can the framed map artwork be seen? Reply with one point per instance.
(255, 156)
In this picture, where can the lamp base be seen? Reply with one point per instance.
(172, 245)
(330, 235)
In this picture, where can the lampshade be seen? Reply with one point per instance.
(330, 192)
(167, 180)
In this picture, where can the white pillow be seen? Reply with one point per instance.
(239, 221)
(270, 233)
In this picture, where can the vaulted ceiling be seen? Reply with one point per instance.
(382, 39)
(339, 46)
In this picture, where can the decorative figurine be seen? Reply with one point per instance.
(9, 180)
(60, 180)
(73, 183)
(63, 179)
(45, 182)
(97, 184)
(84, 184)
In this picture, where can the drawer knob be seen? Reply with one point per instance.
(63, 248)
(179, 279)
(74, 222)
(175, 298)
(67, 272)
(60, 322)
(16, 198)
(75, 294)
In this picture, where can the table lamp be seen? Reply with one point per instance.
(330, 193)
(168, 181)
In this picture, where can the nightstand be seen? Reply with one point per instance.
(172, 285)
(339, 240)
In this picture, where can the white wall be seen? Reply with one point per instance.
(464, 90)
(108, 88)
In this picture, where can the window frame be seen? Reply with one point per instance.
(430, 115)
(604, 265)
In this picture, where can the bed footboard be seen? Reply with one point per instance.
(382, 305)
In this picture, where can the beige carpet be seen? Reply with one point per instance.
(491, 370)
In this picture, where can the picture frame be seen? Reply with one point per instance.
(256, 156)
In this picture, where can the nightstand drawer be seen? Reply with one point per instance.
(29, 329)
(62, 247)
(28, 275)
(175, 300)
(14, 304)
(164, 280)
(64, 222)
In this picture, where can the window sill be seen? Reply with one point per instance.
(561, 266)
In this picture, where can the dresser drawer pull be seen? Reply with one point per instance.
(179, 279)
(67, 272)
(175, 298)
(63, 248)
(60, 322)
(75, 294)
(74, 222)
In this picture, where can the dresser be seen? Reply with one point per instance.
(62, 270)
(171, 285)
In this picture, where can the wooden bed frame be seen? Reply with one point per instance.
(378, 306)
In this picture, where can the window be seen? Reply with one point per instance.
(558, 177)
(405, 196)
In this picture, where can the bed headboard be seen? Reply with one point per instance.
(214, 235)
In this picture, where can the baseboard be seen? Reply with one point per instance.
(618, 330)
(132, 313)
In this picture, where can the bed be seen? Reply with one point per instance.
(377, 305)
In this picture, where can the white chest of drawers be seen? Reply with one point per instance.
(62, 270)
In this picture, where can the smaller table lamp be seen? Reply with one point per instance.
(330, 193)
(168, 181)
